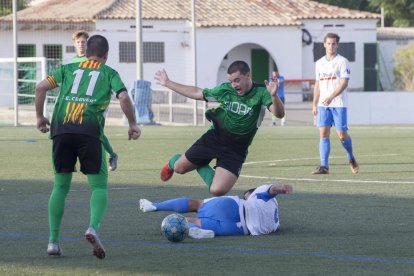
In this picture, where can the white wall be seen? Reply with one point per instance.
(380, 108)
(175, 34)
(282, 43)
(39, 38)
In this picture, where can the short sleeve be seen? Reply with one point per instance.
(344, 70)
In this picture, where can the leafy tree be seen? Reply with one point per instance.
(400, 12)
(6, 6)
(362, 5)
(404, 68)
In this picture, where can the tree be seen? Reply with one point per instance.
(401, 12)
(398, 13)
(404, 68)
(6, 6)
(361, 5)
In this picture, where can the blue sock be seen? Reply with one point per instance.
(179, 205)
(347, 144)
(324, 150)
(192, 225)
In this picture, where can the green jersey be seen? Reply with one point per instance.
(85, 93)
(77, 59)
(238, 117)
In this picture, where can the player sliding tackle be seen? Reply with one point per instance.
(255, 214)
(235, 123)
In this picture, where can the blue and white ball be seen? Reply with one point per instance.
(175, 227)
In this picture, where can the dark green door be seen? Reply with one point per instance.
(370, 67)
(260, 65)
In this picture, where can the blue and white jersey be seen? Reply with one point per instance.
(261, 211)
(329, 74)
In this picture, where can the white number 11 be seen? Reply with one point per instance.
(78, 76)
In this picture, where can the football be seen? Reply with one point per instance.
(174, 227)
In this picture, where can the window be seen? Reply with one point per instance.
(52, 51)
(153, 52)
(53, 54)
(346, 49)
(26, 50)
(127, 52)
(70, 49)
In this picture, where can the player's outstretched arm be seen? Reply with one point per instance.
(41, 91)
(277, 108)
(189, 91)
(134, 132)
(276, 189)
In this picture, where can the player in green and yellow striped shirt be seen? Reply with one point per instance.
(77, 128)
(79, 41)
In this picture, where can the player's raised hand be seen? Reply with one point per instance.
(161, 77)
(134, 132)
(42, 123)
(271, 87)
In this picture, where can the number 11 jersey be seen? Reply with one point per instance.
(85, 93)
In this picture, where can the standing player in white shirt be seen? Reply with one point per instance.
(330, 102)
(255, 214)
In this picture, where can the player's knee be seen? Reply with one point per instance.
(179, 170)
(342, 136)
(217, 191)
(194, 204)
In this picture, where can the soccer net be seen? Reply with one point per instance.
(30, 70)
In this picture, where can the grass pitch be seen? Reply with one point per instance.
(336, 224)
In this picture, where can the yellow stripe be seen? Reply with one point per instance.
(66, 116)
(73, 113)
(81, 114)
(52, 82)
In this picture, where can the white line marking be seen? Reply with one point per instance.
(313, 158)
(328, 180)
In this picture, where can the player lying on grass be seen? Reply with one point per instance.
(254, 214)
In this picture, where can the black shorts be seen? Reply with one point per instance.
(229, 156)
(68, 147)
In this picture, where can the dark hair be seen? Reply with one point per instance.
(248, 191)
(79, 34)
(97, 46)
(331, 35)
(238, 66)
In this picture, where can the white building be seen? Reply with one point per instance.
(261, 32)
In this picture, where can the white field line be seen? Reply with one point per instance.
(271, 162)
(312, 158)
(327, 180)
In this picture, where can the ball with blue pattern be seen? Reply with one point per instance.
(175, 227)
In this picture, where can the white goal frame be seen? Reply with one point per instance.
(16, 94)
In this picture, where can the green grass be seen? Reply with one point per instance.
(339, 224)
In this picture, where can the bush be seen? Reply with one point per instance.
(404, 68)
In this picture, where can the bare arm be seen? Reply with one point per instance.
(341, 87)
(277, 108)
(191, 92)
(134, 132)
(276, 189)
(40, 97)
(316, 94)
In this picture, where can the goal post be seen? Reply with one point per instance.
(30, 71)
